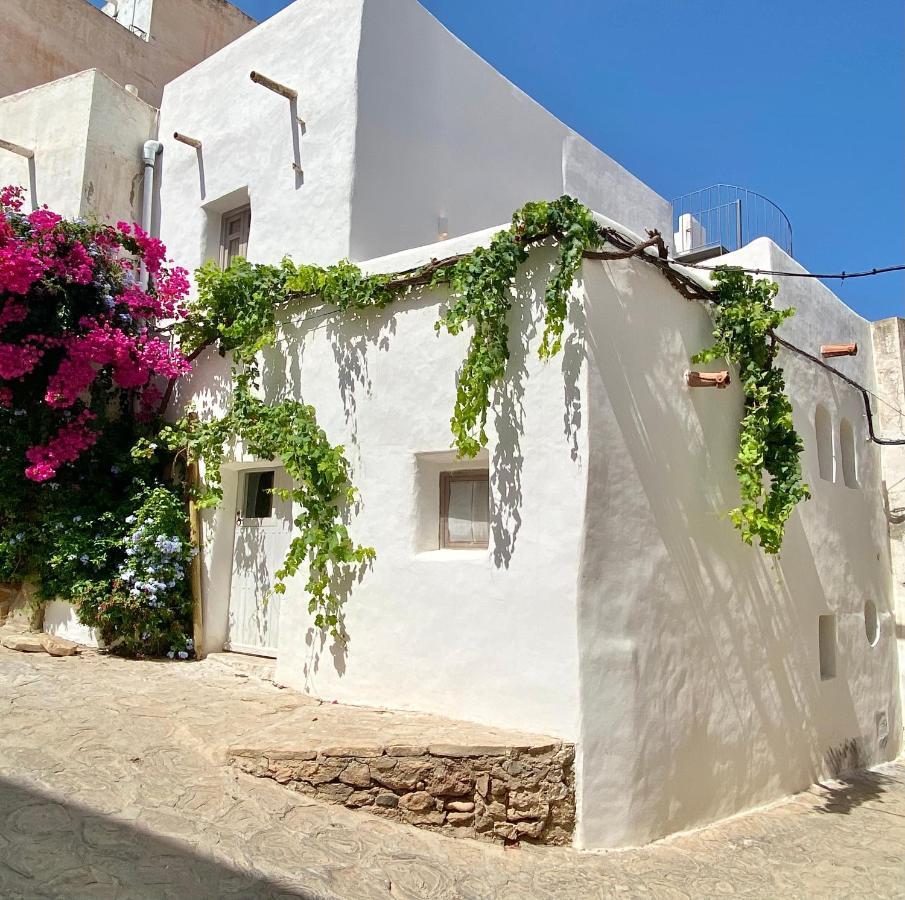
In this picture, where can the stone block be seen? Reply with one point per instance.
(482, 785)
(428, 817)
(419, 801)
(450, 780)
(524, 805)
(460, 806)
(357, 774)
(275, 755)
(358, 799)
(506, 831)
(334, 792)
(405, 750)
(404, 776)
(349, 751)
(463, 751)
(57, 646)
(459, 820)
(529, 829)
(25, 643)
(388, 801)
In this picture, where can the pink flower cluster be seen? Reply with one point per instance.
(115, 320)
(65, 447)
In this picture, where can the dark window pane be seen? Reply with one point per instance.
(258, 496)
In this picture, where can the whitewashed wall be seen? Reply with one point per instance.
(487, 636)
(701, 693)
(404, 126)
(442, 135)
(86, 133)
(628, 616)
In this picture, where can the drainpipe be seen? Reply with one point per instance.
(149, 153)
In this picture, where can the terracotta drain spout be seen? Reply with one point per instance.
(708, 379)
(827, 351)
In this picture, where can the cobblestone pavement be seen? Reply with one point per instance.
(112, 785)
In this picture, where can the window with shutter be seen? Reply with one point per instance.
(464, 509)
(234, 235)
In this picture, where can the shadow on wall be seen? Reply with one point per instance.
(64, 849)
(728, 701)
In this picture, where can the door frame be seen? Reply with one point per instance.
(240, 472)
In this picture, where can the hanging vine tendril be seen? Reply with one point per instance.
(235, 311)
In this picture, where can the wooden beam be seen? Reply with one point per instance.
(274, 86)
(193, 480)
(185, 139)
(17, 149)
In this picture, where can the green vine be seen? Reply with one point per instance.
(235, 311)
(744, 321)
(287, 431)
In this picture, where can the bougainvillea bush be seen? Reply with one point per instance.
(82, 364)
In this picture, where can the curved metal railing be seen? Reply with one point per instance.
(724, 217)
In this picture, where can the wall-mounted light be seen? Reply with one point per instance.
(442, 228)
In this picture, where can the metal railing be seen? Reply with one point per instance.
(722, 218)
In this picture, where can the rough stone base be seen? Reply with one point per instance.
(19, 607)
(489, 793)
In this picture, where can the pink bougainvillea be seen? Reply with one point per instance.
(103, 334)
(66, 446)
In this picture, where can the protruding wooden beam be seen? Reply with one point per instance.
(707, 379)
(827, 351)
(185, 139)
(17, 149)
(274, 86)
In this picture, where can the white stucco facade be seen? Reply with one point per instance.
(616, 605)
(86, 133)
(389, 160)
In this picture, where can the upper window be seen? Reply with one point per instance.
(464, 509)
(234, 235)
(826, 457)
(847, 452)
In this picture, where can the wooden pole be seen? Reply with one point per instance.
(185, 139)
(707, 379)
(195, 533)
(18, 149)
(274, 86)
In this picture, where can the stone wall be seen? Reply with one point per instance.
(489, 793)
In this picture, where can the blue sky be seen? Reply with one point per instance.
(801, 100)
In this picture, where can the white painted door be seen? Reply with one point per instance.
(263, 533)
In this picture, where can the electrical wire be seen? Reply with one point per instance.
(840, 275)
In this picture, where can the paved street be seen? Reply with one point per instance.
(112, 785)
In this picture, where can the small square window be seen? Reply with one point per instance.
(234, 232)
(826, 635)
(258, 495)
(464, 509)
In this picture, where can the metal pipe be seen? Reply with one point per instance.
(185, 139)
(274, 86)
(17, 149)
(149, 153)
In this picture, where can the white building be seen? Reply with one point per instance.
(613, 605)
